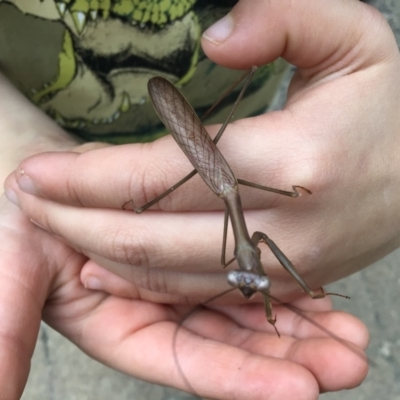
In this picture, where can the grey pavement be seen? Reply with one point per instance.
(60, 371)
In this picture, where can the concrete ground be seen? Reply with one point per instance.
(60, 371)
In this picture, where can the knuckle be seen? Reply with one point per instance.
(150, 179)
(136, 250)
(156, 280)
(75, 186)
(72, 188)
(129, 248)
(308, 169)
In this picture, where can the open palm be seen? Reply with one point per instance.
(223, 352)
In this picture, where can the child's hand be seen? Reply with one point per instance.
(338, 136)
(40, 277)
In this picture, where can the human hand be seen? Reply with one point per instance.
(342, 97)
(310, 111)
(41, 277)
(341, 120)
(29, 259)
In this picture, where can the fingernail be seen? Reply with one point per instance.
(26, 183)
(36, 223)
(93, 283)
(220, 31)
(12, 196)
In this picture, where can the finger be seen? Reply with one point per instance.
(24, 285)
(237, 373)
(318, 353)
(319, 37)
(124, 237)
(314, 320)
(149, 246)
(124, 244)
(136, 341)
(291, 320)
(155, 285)
(142, 172)
(95, 277)
(302, 324)
(19, 312)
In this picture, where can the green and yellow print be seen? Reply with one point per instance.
(86, 63)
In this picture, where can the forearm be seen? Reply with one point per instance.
(25, 130)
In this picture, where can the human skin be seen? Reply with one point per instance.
(328, 139)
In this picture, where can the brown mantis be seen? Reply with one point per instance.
(188, 131)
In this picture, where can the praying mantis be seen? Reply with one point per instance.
(186, 128)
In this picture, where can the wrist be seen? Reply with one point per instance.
(25, 130)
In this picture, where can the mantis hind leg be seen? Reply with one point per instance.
(289, 267)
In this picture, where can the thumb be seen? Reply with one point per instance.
(317, 36)
(29, 261)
